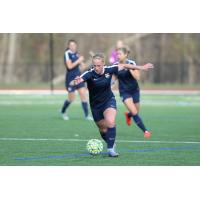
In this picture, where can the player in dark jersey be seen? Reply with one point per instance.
(102, 99)
(129, 90)
(72, 62)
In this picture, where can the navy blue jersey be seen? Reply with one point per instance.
(127, 83)
(71, 73)
(99, 85)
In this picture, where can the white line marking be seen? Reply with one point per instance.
(63, 92)
(163, 142)
(58, 102)
(43, 139)
(85, 140)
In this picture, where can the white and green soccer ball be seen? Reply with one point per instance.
(94, 146)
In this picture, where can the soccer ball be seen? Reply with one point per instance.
(94, 146)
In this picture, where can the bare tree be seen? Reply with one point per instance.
(175, 56)
(9, 76)
(163, 57)
(3, 55)
(189, 58)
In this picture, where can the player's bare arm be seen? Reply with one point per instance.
(145, 67)
(135, 73)
(71, 65)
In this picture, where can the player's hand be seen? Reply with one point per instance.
(72, 83)
(77, 80)
(147, 66)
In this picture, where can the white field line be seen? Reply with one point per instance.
(85, 140)
(63, 92)
(18, 102)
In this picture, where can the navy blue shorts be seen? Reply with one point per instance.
(135, 95)
(97, 113)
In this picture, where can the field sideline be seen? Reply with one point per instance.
(33, 133)
(63, 91)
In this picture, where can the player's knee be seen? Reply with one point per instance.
(83, 98)
(71, 99)
(103, 130)
(135, 112)
(110, 123)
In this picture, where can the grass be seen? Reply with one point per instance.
(171, 118)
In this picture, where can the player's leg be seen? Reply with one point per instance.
(137, 105)
(128, 115)
(133, 110)
(104, 118)
(71, 98)
(82, 93)
(102, 129)
(136, 99)
(130, 105)
(110, 116)
(100, 122)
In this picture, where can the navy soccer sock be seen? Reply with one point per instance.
(65, 106)
(139, 122)
(103, 135)
(85, 108)
(129, 114)
(110, 137)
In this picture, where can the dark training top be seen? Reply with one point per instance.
(99, 85)
(127, 83)
(75, 71)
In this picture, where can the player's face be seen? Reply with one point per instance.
(121, 56)
(119, 44)
(73, 46)
(98, 66)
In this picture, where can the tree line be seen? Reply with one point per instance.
(24, 57)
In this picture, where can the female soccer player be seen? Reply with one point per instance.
(102, 100)
(129, 90)
(72, 62)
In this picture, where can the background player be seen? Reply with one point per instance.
(113, 55)
(129, 89)
(72, 62)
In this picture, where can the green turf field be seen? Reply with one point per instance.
(33, 133)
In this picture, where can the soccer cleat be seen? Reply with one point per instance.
(112, 153)
(147, 134)
(89, 118)
(64, 116)
(128, 119)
